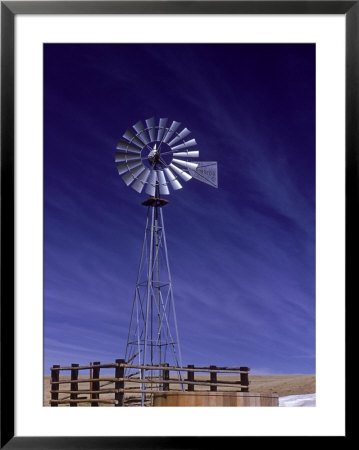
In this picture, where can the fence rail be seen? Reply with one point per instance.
(116, 387)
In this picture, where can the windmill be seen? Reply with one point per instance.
(153, 157)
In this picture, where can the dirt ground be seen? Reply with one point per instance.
(282, 385)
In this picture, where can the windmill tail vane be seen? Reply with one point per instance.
(155, 157)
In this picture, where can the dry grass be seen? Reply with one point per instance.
(264, 384)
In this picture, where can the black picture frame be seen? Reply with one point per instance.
(9, 10)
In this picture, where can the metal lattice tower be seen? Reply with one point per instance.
(153, 333)
(154, 157)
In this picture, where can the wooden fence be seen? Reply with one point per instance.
(112, 389)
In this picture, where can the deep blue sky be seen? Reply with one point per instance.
(242, 256)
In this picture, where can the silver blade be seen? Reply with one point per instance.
(126, 146)
(184, 175)
(174, 182)
(187, 165)
(185, 132)
(171, 130)
(141, 180)
(192, 154)
(125, 167)
(124, 156)
(144, 137)
(190, 143)
(139, 126)
(161, 129)
(151, 128)
(141, 133)
(130, 176)
(162, 183)
(151, 183)
(130, 136)
(207, 172)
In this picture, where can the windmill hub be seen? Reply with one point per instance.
(154, 156)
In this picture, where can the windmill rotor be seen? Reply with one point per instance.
(157, 154)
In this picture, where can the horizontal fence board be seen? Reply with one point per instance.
(148, 367)
(182, 369)
(199, 383)
(83, 400)
(102, 366)
(219, 369)
(85, 380)
(140, 391)
(102, 391)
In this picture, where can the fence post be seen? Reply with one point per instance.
(55, 376)
(74, 386)
(119, 373)
(244, 379)
(95, 384)
(213, 378)
(166, 376)
(190, 377)
(91, 387)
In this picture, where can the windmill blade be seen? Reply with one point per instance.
(185, 132)
(187, 165)
(171, 130)
(130, 136)
(139, 184)
(151, 183)
(130, 176)
(141, 132)
(174, 182)
(124, 156)
(127, 147)
(162, 183)
(207, 172)
(190, 143)
(184, 175)
(151, 128)
(161, 129)
(123, 168)
(192, 154)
